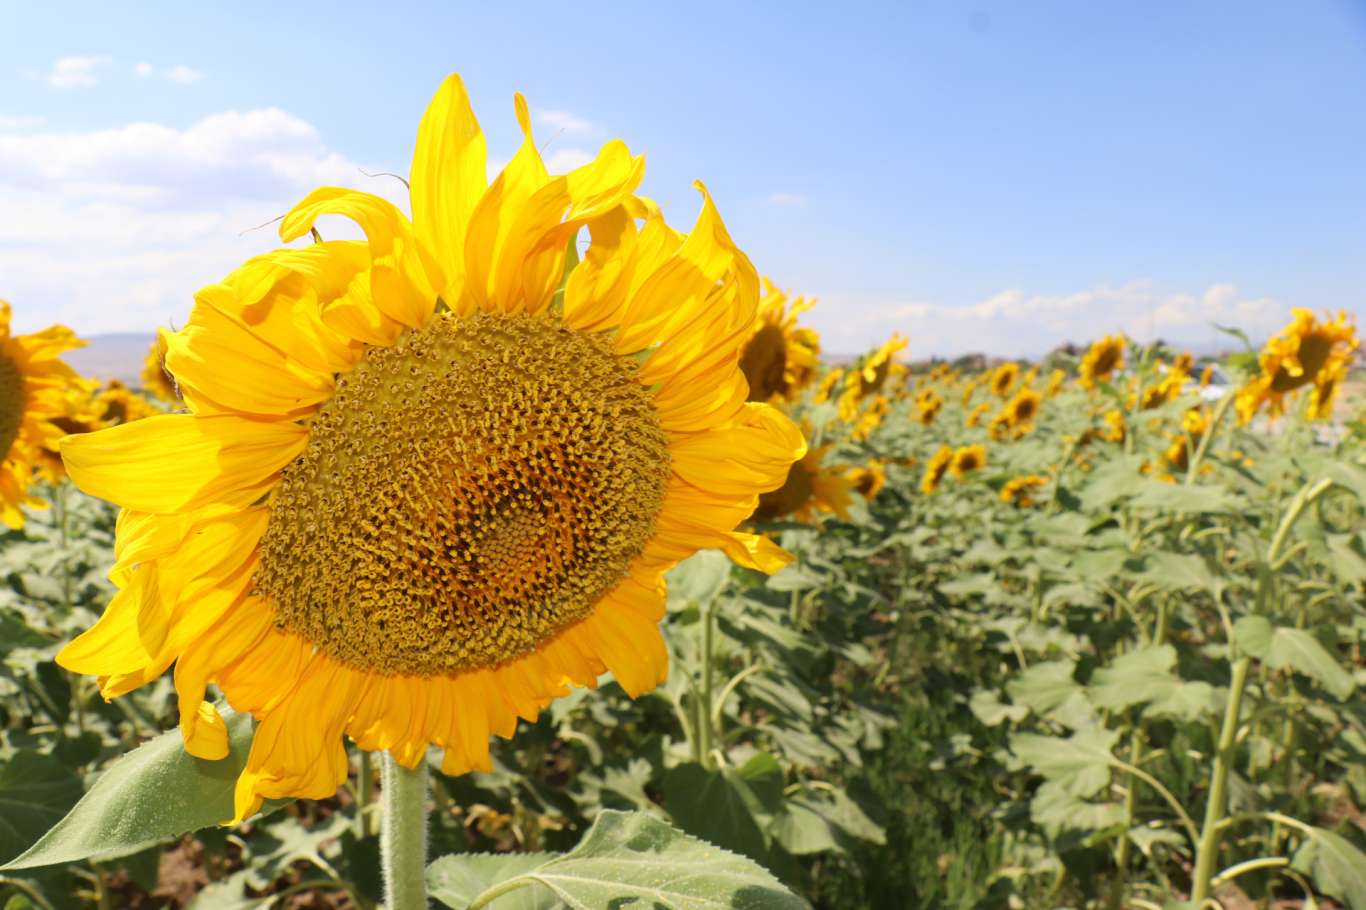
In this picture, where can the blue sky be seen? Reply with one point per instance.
(992, 175)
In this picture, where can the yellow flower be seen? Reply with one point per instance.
(1103, 359)
(426, 482)
(1018, 490)
(871, 377)
(829, 382)
(1003, 378)
(155, 379)
(1194, 423)
(1306, 351)
(968, 459)
(935, 469)
(33, 385)
(1206, 375)
(868, 481)
(928, 403)
(1055, 381)
(870, 419)
(780, 358)
(1166, 389)
(1115, 428)
(1022, 409)
(970, 389)
(809, 488)
(976, 414)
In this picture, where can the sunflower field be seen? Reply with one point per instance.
(529, 553)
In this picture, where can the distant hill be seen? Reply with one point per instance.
(115, 356)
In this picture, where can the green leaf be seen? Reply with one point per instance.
(631, 859)
(1180, 571)
(1080, 763)
(718, 806)
(1337, 867)
(1147, 676)
(1178, 498)
(1296, 649)
(152, 794)
(458, 879)
(1045, 686)
(15, 633)
(34, 792)
(1057, 808)
(699, 579)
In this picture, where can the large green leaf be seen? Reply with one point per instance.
(1148, 676)
(35, 790)
(1337, 867)
(1080, 763)
(152, 794)
(458, 879)
(1284, 647)
(633, 860)
(727, 807)
(1045, 686)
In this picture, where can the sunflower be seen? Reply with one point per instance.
(33, 386)
(1115, 428)
(1003, 378)
(829, 382)
(810, 488)
(1206, 375)
(870, 418)
(1021, 410)
(976, 414)
(970, 389)
(868, 481)
(1055, 382)
(928, 403)
(871, 377)
(1017, 491)
(1325, 391)
(1305, 351)
(428, 481)
(1166, 389)
(1194, 423)
(1102, 359)
(968, 459)
(935, 469)
(780, 358)
(155, 380)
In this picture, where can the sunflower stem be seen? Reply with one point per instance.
(403, 848)
(704, 730)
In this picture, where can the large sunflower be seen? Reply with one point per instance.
(1305, 351)
(425, 482)
(780, 358)
(33, 386)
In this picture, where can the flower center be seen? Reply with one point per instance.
(11, 404)
(795, 492)
(1313, 354)
(465, 495)
(764, 363)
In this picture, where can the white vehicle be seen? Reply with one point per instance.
(1219, 384)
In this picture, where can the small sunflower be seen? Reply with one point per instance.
(1022, 409)
(1003, 378)
(829, 382)
(809, 489)
(1055, 383)
(868, 481)
(935, 468)
(155, 380)
(976, 414)
(970, 389)
(967, 459)
(1194, 423)
(1102, 359)
(426, 482)
(1168, 388)
(1206, 375)
(872, 376)
(870, 418)
(1115, 428)
(1018, 490)
(928, 404)
(86, 407)
(1305, 352)
(33, 387)
(780, 358)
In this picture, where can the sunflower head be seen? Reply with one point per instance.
(829, 382)
(1115, 428)
(870, 418)
(869, 480)
(34, 383)
(1018, 491)
(426, 482)
(935, 469)
(1101, 360)
(1305, 352)
(86, 407)
(1023, 408)
(1003, 378)
(1055, 383)
(811, 488)
(967, 459)
(780, 358)
(928, 404)
(976, 414)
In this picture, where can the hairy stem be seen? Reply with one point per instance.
(403, 848)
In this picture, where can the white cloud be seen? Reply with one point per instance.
(76, 72)
(184, 75)
(786, 200)
(564, 160)
(1016, 323)
(143, 69)
(563, 121)
(113, 230)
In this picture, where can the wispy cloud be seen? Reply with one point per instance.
(785, 200)
(183, 74)
(563, 160)
(143, 69)
(563, 121)
(77, 72)
(19, 121)
(1016, 323)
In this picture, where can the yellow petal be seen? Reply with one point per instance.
(172, 462)
(205, 734)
